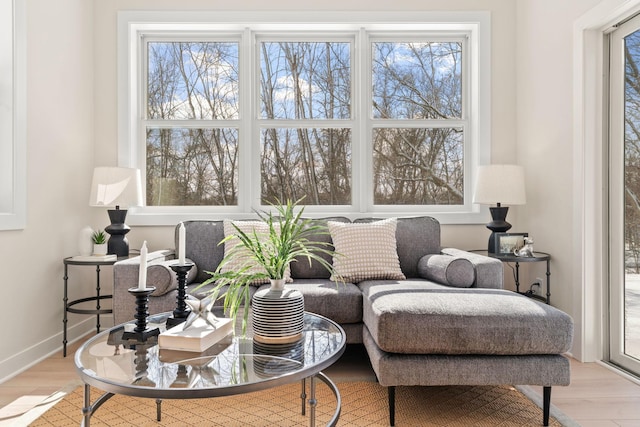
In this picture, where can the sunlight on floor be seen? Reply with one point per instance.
(25, 409)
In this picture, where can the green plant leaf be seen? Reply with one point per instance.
(99, 237)
(288, 238)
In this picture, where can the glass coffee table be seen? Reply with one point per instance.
(235, 365)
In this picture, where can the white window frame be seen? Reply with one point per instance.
(475, 26)
(13, 188)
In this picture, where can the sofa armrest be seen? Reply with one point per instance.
(489, 271)
(125, 276)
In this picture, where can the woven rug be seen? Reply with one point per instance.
(363, 404)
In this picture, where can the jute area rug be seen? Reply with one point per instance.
(363, 404)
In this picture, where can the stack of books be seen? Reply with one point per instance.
(197, 338)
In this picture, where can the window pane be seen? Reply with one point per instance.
(631, 142)
(305, 80)
(417, 80)
(314, 163)
(192, 80)
(188, 167)
(418, 166)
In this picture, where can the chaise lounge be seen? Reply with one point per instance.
(441, 318)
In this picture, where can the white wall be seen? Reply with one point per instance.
(59, 163)
(545, 94)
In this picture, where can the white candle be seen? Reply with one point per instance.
(181, 244)
(142, 278)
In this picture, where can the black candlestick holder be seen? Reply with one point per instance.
(181, 312)
(141, 332)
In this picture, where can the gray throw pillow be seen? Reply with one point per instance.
(447, 269)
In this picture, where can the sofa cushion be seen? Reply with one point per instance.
(202, 240)
(301, 268)
(415, 238)
(448, 270)
(365, 251)
(164, 278)
(340, 302)
(422, 317)
(393, 369)
(489, 271)
(243, 257)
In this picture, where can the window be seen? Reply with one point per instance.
(191, 123)
(353, 116)
(306, 120)
(12, 116)
(418, 126)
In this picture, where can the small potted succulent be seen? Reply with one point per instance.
(99, 239)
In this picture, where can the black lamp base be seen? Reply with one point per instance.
(497, 225)
(118, 243)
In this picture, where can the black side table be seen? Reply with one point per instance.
(69, 305)
(537, 257)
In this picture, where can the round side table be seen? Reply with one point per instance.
(69, 306)
(537, 257)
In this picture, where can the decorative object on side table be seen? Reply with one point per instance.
(526, 250)
(99, 239)
(499, 184)
(85, 245)
(537, 256)
(142, 292)
(116, 187)
(509, 243)
(259, 252)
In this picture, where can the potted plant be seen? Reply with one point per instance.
(99, 239)
(288, 238)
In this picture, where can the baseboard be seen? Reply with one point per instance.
(619, 371)
(20, 362)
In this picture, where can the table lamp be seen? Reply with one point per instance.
(114, 187)
(499, 184)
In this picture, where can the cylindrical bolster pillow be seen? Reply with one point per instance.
(447, 269)
(164, 278)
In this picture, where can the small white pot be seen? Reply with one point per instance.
(100, 249)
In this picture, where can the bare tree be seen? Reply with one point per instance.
(306, 81)
(417, 165)
(192, 166)
(302, 86)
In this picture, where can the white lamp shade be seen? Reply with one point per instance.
(502, 184)
(114, 186)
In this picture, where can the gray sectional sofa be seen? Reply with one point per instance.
(448, 323)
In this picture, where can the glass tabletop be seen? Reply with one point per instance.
(234, 365)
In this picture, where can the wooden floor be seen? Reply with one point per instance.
(597, 396)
